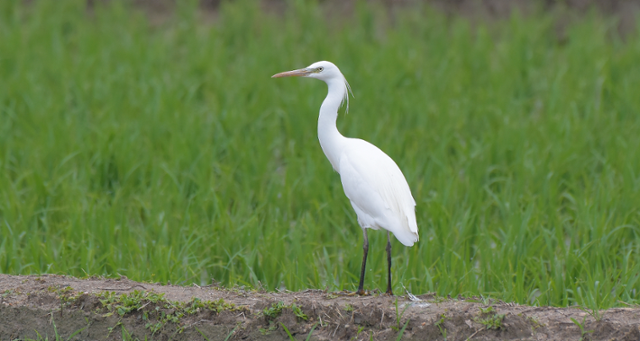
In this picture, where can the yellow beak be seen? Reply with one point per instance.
(294, 73)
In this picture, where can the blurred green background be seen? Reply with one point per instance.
(156, 146)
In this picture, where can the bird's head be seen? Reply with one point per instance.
(321, 70)
(325, 71)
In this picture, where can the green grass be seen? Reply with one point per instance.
(163, 150)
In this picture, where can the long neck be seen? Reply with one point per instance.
(330, 138)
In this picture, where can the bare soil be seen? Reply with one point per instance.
(624, 11)
(36, 304)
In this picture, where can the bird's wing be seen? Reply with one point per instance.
(373, 181)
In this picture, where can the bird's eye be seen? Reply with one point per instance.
(320, 69)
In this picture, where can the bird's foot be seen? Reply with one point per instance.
(389, 293)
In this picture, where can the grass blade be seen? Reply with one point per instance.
(287, 331)
(402, 330)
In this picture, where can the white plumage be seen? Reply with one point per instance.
(372, 181)
(378, 191)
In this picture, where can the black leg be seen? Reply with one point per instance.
(365, 247)
(389, 291)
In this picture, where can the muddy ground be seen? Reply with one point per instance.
(625, 12)
(116, 309)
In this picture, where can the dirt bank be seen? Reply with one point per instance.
(116, 309)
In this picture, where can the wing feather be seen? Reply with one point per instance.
(375, 184)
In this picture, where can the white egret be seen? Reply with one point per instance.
(372, 181)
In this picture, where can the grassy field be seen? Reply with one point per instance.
(163, 151)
